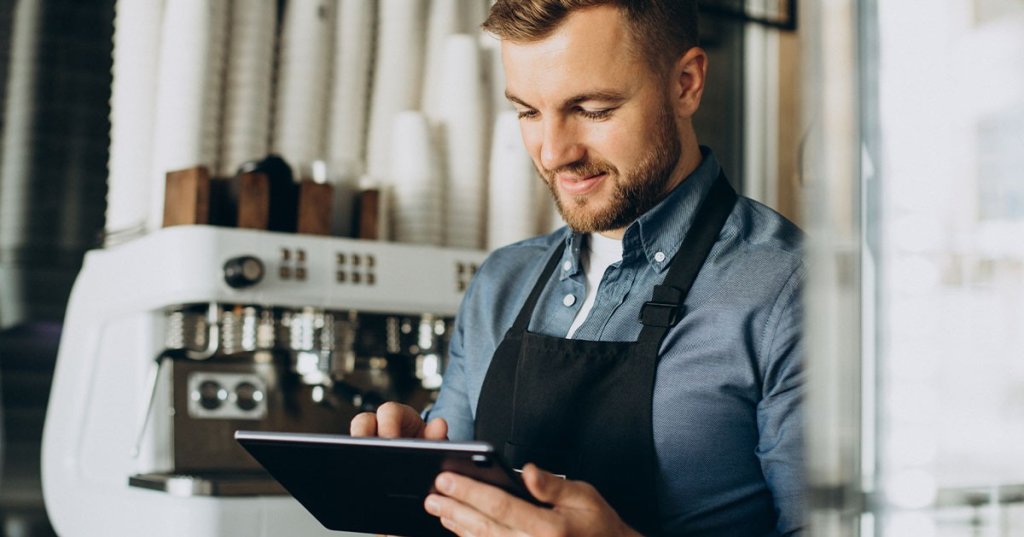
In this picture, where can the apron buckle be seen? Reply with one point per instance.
(660, 314)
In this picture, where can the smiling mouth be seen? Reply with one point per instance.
(577, 186)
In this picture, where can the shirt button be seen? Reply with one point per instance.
(566, 266)
(659, 257)
(569, 300)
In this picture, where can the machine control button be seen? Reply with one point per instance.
(243, 271)
(210, 395)
(569, 300)
(247, 396)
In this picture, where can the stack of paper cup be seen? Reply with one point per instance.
(215, 69)
(416, 181)
(248, 83)
(302, 82)
(465, 139)
(491, 48)
(132, 112)
(397, 75)
(186, 93)
(512, 208)
(353, 48)
(445, 19)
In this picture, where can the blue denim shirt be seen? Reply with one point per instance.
(726, 409)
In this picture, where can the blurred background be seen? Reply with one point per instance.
(892, 132)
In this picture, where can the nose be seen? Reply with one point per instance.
(560, 145)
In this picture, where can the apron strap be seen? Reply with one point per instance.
(523, 319)
(665, 308)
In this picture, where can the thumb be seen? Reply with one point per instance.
(545, 486)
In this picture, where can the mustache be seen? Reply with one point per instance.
(584, 168)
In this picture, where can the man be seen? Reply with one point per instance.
(651, 351)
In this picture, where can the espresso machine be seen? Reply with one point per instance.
(175, 340)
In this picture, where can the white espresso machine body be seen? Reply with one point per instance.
(175, 339)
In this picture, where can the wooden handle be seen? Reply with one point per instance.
(187, 197)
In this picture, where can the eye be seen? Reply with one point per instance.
(603, 113)
(527, 114)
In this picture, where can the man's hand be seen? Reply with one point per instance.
(470, 508)
(394, 420)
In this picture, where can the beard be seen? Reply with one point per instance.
(634, 192)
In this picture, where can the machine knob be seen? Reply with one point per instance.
(248, 396)
(210, 395)
(243, 271)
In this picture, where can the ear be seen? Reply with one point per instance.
(687, 83)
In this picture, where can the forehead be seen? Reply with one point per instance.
(591, 50)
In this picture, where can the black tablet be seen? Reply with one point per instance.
(373, 485)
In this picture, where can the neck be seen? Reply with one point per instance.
(689, 159)
(616, 234)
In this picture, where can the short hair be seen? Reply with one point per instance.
(663, 29)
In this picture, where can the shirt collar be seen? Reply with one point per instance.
(570, 263)
(658, 233)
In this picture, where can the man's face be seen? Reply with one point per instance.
(596, 119)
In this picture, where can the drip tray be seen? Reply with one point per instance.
(212, 484)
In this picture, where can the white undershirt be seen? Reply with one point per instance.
(598, 254)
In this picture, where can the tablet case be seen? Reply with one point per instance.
(372, 485)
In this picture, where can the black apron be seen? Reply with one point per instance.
(583, 408)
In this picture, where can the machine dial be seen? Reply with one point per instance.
(248, 396)
(243, 271)
(211, 395)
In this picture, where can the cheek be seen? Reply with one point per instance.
(614, 144)
(532, 139)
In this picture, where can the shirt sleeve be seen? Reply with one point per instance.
(779, 414)
(453, 402)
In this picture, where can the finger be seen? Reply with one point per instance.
(455, 528)
(396, 420)
(437, 429)
(462, 519)
(497, 504)
(554, 490)
(364, 424)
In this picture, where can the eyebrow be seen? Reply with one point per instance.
(612, 96)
